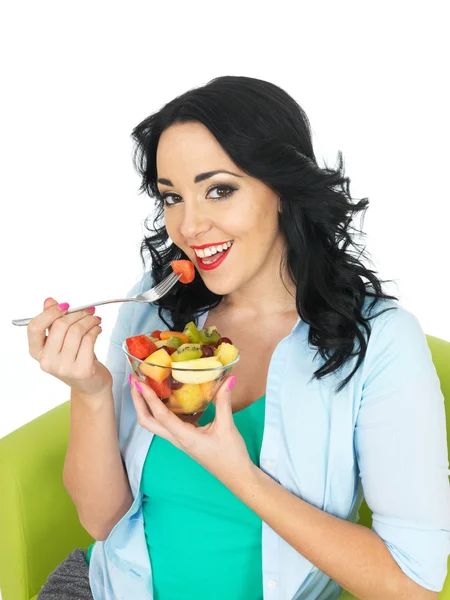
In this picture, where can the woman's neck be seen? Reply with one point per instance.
(261, 298)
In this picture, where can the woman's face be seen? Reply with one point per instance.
(204, 212)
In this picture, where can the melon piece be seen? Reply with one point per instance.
(166, 335)
(187, 371)
(161, 358)
(208, 389)
(226, 353)
(185, 268)
(162, 389)
(140, 346)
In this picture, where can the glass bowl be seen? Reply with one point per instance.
(186, 392)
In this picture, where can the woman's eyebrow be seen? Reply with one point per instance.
(200, 177)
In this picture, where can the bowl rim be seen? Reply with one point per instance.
(178, 368)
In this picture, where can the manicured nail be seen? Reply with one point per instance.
(131, 380)
(47, 299)
(97, 317)
(63, 306)
(138, 386)
(91, 309)
(231, 382)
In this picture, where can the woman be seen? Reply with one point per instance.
(335, 387)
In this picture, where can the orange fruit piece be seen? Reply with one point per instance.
(165, 335)
(186, 268)
(160, 357)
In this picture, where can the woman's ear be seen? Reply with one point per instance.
(279, 204)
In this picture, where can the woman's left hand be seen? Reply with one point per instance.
(217, 446)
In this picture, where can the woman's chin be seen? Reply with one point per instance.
(221, 288)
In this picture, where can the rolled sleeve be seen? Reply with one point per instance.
(401, 449)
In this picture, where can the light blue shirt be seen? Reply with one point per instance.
(385, 429)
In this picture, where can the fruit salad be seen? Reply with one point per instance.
(186, 368)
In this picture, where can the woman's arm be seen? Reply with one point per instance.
(94, 475)
(351, 554)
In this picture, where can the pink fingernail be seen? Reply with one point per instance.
(91, 309)
(231, 382)
(130, 380)
(97, 317)
(63, 306)
(138, 386)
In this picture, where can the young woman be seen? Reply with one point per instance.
(335, 396)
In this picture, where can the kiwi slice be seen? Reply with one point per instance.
(210, 335)
(174, 342)
(187, 352)
(192, 332)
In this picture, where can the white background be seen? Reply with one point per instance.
(77, 77)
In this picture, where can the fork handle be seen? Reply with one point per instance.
(26, 321)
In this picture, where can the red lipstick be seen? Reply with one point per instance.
(209, 245)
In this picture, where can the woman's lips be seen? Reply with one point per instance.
(213, 265)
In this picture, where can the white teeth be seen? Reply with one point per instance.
(206, 252)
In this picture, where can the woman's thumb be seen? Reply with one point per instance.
(49, 302)
(224, 410)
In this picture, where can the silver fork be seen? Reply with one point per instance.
(151, 295)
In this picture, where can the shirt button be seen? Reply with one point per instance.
(272, 584)
(268, 464)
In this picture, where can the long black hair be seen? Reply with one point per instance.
(268, 136)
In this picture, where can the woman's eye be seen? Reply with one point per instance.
(166, 198)
(223, 191)
(220, 189)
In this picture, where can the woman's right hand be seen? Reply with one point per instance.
(67, 352)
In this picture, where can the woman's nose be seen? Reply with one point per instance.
(195, 221)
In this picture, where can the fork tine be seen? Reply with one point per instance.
(165, 285)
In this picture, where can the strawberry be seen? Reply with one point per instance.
(162, 389)
(155, 334)
(140, 346)
(185, 268)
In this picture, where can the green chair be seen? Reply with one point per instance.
(39, 525)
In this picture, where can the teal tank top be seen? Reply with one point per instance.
(203, 541)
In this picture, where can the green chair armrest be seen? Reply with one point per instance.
(38, 521)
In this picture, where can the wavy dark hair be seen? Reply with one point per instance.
(268, 136)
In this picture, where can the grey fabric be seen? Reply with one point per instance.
(70, 579)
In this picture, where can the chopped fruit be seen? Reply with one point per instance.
(166, 335)
(224, 339)
(192, 332)
(174, 385)
(160, 343)
(161, 389)
(209, 336)
(207, 350)
(169, 350)
(226, 353)
(190, 397)
(161, 358)
(208, 389)
(186, 268)
(174, 342)
(187, 352)
(193, 374)
(185, 369)
(140, 346)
